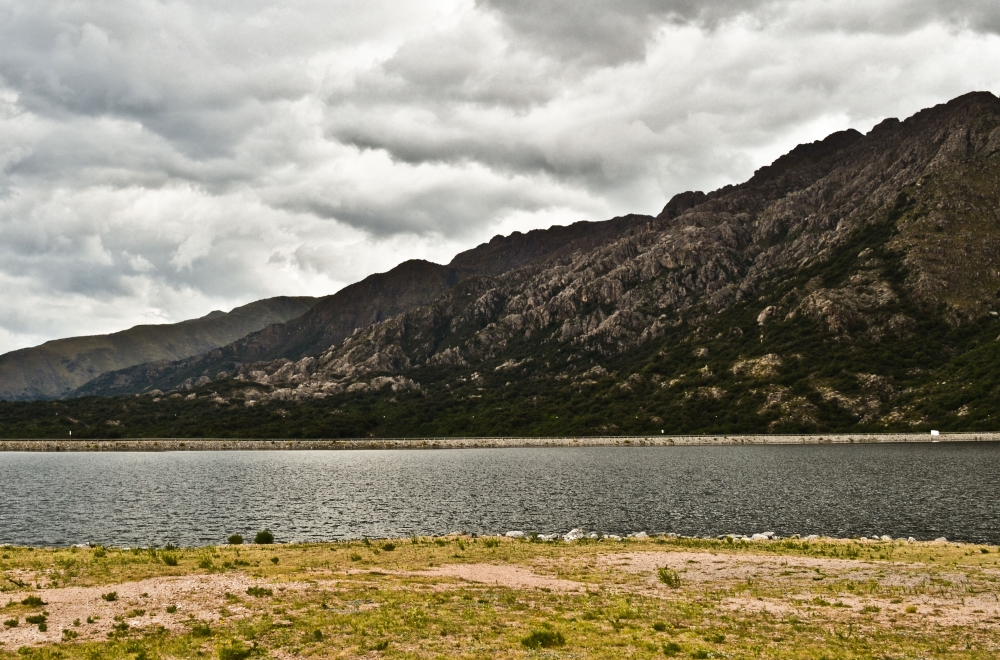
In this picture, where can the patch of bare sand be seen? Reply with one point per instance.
(798, 577)
(504, 575)
(981, 609)
(196, 596)
(724, 568)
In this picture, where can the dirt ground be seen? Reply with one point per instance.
(198, 597)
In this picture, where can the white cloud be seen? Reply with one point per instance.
(159, 160)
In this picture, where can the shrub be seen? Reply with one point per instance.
(544, 639)
(669, 577)
(700, 654)
(236, 539)
(69, 634)
(10, 623)
(111, 596)
(870, 609)
(201, 630)
(388, 547)
(259, 592)
(234, 650)
(355, 556)
(206, 563)
(171, 609)
(718, 638)
(671, 648)
(274, 560)
(264, 537)
(43, 627)
(381, 645)
(169, 559)
(911, 609)
(318, 635)
(33, 601)
(659, 626)
(491, 543)
(100, 552)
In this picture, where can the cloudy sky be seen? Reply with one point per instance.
(161, 159)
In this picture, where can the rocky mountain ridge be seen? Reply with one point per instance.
(376, 298)
(705, 253)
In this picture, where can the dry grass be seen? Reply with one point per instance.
(456, 597)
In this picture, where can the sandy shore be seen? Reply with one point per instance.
(249, 444)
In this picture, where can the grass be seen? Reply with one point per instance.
(669, 577)
(730, 599)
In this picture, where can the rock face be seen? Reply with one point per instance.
(853, 282)
(57, 367)
(931, 181)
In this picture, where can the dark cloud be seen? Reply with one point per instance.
(601, 33)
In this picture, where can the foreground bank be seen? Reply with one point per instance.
(472, 597)
(252, 444)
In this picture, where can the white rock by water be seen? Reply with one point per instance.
(514, 535)
(884, 537)
(573, 535)
(613, 537)
(640, 535)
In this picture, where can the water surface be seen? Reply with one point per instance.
(191, 498)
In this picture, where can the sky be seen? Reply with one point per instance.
(162, 159)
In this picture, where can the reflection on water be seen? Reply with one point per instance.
(191, 498)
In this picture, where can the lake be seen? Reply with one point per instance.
(196, 498)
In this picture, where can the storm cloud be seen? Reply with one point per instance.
(162, 159)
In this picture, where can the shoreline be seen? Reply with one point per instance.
(250, 444)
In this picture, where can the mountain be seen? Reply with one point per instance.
(376, 298)
(853, 284)
(57, 367)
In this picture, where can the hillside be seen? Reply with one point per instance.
(852, 284)
(60, 366)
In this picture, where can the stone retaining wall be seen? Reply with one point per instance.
(206, 444)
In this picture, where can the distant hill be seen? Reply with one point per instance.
(57, 367)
